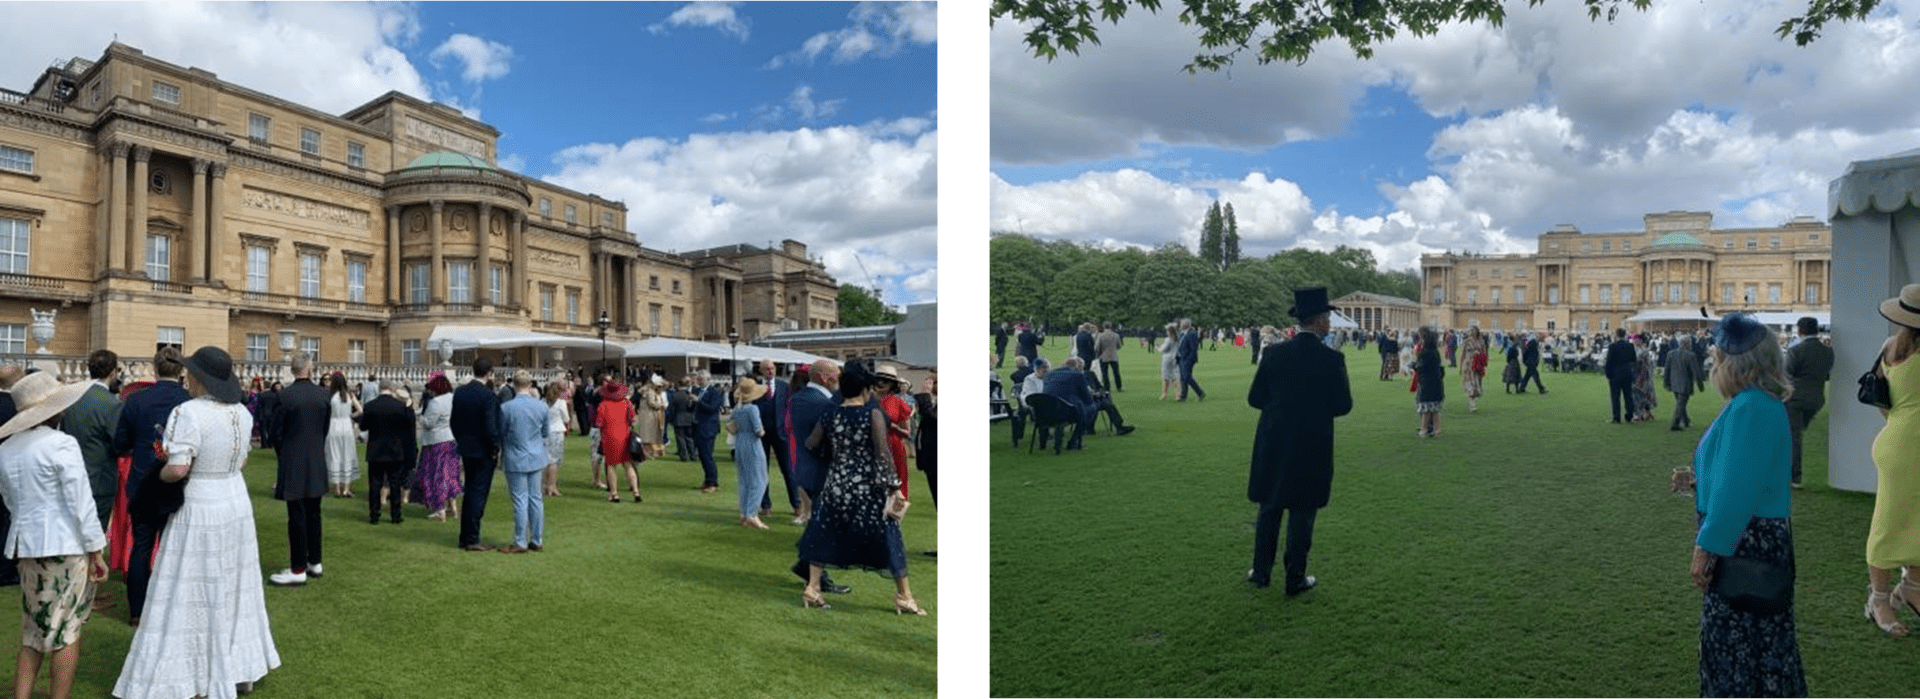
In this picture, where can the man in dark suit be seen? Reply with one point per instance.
(1619, 371)
(476, 434)
(90, 422)
(392, 450)
(1071, 383)
(1684, 376)
(9, 568)
(582, 395)
(1083, 344)
(1809, 364)
(1000, 336)
(1030, 341)
(1186, 357)
(1530, 357)
(1300, 387)
(680, 413)
(807, 408)
(301, 445)
(141, 419)
(706, 427)
(773, 408)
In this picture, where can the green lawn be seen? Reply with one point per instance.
(667, 597)
(1530, 550)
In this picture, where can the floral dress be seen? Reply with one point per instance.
(849, 526)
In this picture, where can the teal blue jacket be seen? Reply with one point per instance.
(1742, 469)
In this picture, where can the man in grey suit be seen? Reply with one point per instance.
(1106, 346)
(1809, 364)
(91, 421)
(1684, 376)
(301, 445)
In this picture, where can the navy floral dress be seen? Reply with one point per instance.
(1743, 654)
(850, 528)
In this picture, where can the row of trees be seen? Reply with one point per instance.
(1056, 283)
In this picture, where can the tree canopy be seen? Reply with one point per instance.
(861, 308)
(1288, 30)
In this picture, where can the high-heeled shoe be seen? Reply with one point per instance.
(1876, 598)
(810, 598)
(1906, 594)
(903, 604)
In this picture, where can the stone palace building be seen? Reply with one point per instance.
(1653, 279)
(150, 203)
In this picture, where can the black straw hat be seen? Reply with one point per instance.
(212, 369)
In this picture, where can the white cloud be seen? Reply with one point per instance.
(718, 15)
(479, 58)
(718, 117)
(801, 106)
(854, 194)
(1136, 208)
(880, 29)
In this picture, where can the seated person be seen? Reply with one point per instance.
(1070, 384)
(1026, 381)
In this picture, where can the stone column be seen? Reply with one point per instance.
(437, 275)
(603, 285)
(395, 285)
(198, 228)
(631, 299)
(137, 237)
(517, 295)
(216, 223)
(117, 210)
(482, 256)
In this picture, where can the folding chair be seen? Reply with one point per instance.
(1050, 414)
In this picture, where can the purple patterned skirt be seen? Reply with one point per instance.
(437, 479)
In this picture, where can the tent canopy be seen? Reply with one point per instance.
(673, 347)
(1340, 320)
(1670, 315)
(496, 337)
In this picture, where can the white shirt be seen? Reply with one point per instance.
(43, 479)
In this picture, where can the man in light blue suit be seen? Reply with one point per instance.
(523, 452)
(805, 409)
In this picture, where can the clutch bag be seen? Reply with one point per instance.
(896, 506)
(1754, 586)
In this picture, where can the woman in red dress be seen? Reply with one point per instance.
(615, 420)
(899, 416)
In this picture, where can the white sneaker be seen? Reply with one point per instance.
(287, 578)
(314, 570)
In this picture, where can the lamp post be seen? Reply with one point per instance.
(602, 324)
(733, 351)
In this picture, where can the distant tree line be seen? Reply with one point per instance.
(1058, 283)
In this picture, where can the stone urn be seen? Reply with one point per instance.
(42, 328)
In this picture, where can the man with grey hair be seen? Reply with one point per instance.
(523, 455)
(706, 427)
(392, 449)
(1186, 357)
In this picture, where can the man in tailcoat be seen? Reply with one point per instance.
(1619, 371)
(773, 408)
(476, 435)
(807, 408)
(1300, 387)
(1000, 336)
(1186, 357)
(301, 445)
(1530, 356)
(392, 449)
(1684, 376)
(1809, 363)
(1030, 341)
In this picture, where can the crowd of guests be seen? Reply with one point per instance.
(145, 478)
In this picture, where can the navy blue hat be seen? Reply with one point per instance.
(1737, 333)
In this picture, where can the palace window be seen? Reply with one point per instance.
(256, 347)
(257, 269)
(1606, 246)
(1626, 246)
(357, 281)
(1438, 297)
(1495, 273)
(1659, 290)
(676, 321)
(166, 93)
(1813, 237)
(16, 159)
(1626, 293)
(573, 215)
(310, 141)
(1773, 293)
(309, 275)
(1673, 293)
(1813, 294)
(1493, 296)
(311, 346)
(1726, 294)
(1520, 273)
(496, 284)
(1586, 247)
(356, 351)
(1585, 295)
(356, 154)
(573, 306)
(419, 283)
(1553, 295)
(1473, 295)
(1473, 274)
(1776, 242)
(460, 282)
(546, 302)
(258, 127)
(1753, 293)
(1519, 294)
(15, 244)
(410, 352)
(606, 219)
(1728, 243)
(1693, 292)
(170, 337)
(1473, 322)
(1606, 293)
(653, 282)
(158, 258)
(653, 319)
(546, 207)
(1753, 243)
(676, 286)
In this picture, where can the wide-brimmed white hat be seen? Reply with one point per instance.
(1905, 308)
(39, 396)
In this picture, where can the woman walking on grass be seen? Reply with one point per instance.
(899, 412)
(652, 420)
(1893, 538)
(750, 461)
(615, 421)
(1643, 395)
(343, 460)
(852, 524)
(437, 478)
(559, 422)
(1169, 368)
(1742, 477)
(1473, 376)
(1430, 375)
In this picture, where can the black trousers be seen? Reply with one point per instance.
(1110, 374)
(1266, 539)
(1797, 419)
(392, 474)
(1618, 391)
(146, 533)
(1533, 372)
(779, 449)
(303, 533)
(479, 474)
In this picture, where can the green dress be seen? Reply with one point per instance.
(1894, 538)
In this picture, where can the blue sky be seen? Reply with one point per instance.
(1476, 138)
(716, 123)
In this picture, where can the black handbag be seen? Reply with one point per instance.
(1753, 586)
(1874, 390)
(636, 450)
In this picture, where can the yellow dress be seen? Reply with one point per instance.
(1894, 538)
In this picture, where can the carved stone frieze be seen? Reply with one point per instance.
(555, 261)
(436, 137)
(42, 124)
(259, 164)
(304, 208)
(458, 190)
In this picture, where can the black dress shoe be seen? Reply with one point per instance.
(1124, 430)
(1295, 587)
(1258, 581)
(835, 589)
(374, 519)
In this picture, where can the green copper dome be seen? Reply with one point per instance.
(1677, 239)
(449, 160)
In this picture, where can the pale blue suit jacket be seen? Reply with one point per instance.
(523, 434)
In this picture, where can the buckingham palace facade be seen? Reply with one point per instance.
(1653, 278)
(153, 203)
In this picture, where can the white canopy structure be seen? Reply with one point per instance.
(673, 347)
(1671, 315)
(1876, 240)
(1340, 320)
(1779, 319)
(463, 337)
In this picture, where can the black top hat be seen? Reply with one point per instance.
(1309, 302)
(212, 368)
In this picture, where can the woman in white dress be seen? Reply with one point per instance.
(343, 459)
(205, 631)
(1169, 369)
